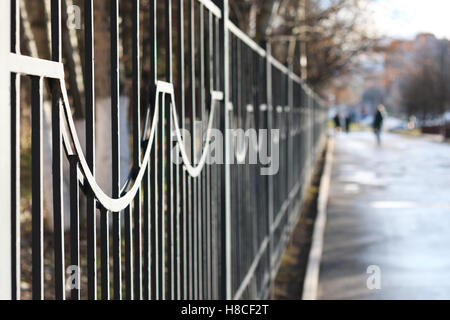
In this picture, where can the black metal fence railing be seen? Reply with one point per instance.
(192, 230)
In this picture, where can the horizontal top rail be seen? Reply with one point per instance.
(297, 79)
(277, 64)
(246, 39)
(258, 49)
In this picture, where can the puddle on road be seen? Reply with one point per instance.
(393, 205)
(409, 205)
(360, 177)
(352, 188)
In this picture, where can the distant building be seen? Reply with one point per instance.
(379, 76)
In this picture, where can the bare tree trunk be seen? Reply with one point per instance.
(36, 34)
(103, 104)
(102, 95)
(73, 66)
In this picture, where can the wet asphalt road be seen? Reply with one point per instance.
(389, 208)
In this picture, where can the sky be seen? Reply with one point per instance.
(406, 18)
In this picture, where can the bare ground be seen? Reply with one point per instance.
(289, 280)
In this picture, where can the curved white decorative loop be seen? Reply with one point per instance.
(194, 172)
(117, 205)
(110, 204)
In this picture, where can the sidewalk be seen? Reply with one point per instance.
(389, 207)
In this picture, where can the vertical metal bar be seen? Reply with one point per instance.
(115, 137)
(161, 202)
(153, 43)
(270, 200)
(104, 251)
(15, 154)
(201, 179)
(90, 147)
(74, 225)
(154, 256)
(215, 220)
(13, 30)
(309, 131)
(288, 117)
(226, 188)
(168, 154)
(137, 148)
(58, 214)
(56, 30)
(210, 74)
(177, 230)
(168, 30)
(170, 207)
(146, 238)
(37, 190)
(176, 179)
(194, 265)
(182, 247)
(189, 227)
(154, 230)
(15, 186)
(128, 254)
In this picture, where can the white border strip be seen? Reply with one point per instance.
(311, 283)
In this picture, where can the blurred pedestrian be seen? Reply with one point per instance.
(378, 122)
(337, 122)
(348, 122)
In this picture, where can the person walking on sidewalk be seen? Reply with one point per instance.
(378, 122)
(337, 122)
(348, 121)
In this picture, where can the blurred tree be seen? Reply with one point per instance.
(328, 33)
(426, 87)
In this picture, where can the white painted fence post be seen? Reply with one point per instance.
(5, 146)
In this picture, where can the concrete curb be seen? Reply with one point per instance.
(311, 283)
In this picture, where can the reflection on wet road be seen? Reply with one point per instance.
(389, 207)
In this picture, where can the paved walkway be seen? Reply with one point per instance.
(389, 208)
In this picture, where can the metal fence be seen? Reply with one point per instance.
(193, 230)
